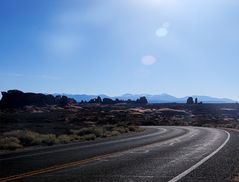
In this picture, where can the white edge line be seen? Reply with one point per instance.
(180, 176)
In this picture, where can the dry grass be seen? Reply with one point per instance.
(30, 138)
(23, 138)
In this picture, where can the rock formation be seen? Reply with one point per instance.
(190, 100)
(16, 98)
(142, 100)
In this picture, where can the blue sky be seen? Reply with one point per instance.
(180, 47)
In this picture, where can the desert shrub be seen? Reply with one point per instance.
(115, 133)
(89, 137)
(75, 137)
(231, 125)
(121, 129)
(98, 132)
(49, 139)
(9, 143)
(30, 138)
(26, 137)
(107, 134)
(83, 131)
(133, 128)
(65, 138)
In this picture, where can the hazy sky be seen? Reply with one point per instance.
(180, 47)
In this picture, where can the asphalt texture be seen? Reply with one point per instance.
(163, 153)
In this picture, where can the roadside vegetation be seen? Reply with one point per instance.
(16, 139)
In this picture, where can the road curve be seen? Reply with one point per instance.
(160, 154)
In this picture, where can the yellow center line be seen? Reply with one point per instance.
(55, 168)
(73, 164)
(64, 166)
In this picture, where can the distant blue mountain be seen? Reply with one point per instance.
(162, 98)
(84, 97)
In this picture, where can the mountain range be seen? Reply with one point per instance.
(161, 98)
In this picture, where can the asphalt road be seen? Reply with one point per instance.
(159, 154)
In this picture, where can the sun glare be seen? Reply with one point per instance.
(148, 60)
(154, 3)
